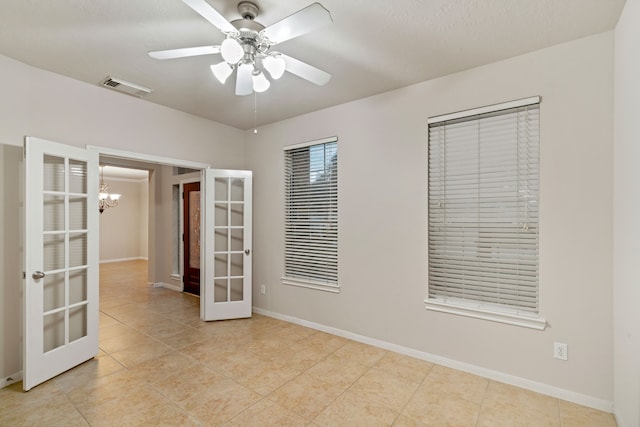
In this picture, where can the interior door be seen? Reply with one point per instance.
(61, 259)
(226, 293)
(191, 236)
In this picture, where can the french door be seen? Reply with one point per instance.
(61, 259)
(227, 255)
(61, 255)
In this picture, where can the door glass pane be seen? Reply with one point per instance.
(220, 265)
(53, 291)
(236, 264)
(77, 249)
(237, 189)
(221, 213)
(220, 290)
(222, 189)
(53, 173)
(237, 239)
(53, 212)
(236, 290)
(77, 323)
(53, 252)
(77, 286)
(237, 214)
(53, 336)
(77, 176)
(77, 213)
(194, 229)
(221, 240)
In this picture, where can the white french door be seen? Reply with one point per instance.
(226, 293)
(61, 259)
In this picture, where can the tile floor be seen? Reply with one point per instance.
(159, 365)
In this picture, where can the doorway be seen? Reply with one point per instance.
(64, 180)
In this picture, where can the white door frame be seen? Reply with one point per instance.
(167, 161)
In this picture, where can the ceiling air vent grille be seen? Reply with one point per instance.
(125, 87)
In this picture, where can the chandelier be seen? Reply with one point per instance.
(106, 200)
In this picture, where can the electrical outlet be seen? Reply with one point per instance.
(263, 289)
(560, 351)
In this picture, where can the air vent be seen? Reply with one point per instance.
(125, 87)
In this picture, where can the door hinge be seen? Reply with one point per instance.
(24, 275)
(183, 237)
(183, 195)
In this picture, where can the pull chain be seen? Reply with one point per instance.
(255, 113)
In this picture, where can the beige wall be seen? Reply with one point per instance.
(124, 229)
(626, 204)
(11, 189)
(383, 211)
(50, 106)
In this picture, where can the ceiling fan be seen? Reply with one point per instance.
(247, 46)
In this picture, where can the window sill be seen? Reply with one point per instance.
(486, 314)
(310, 284)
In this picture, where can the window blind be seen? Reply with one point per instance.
(311, 214)
(483, 209)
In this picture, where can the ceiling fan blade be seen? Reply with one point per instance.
(184, 52)
(303, 21)
(244, 80)
(211, 15)
(306, 71)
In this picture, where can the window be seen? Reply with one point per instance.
(311, 215)
(483, 213)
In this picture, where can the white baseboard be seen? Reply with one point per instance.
(177, 288)
(107, 261)
(11, 379)
(571, 396)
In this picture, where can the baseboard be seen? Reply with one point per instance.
(11, 379)
(107, 261)
(537, 387)
(177, 288)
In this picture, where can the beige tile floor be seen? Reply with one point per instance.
(159, 365)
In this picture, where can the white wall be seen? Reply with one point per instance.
(383, 210)
(50, 106)
(124, 229)
(626, 203)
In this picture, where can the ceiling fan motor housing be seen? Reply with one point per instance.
(248, 10)
(249, 31)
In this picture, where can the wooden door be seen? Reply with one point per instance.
(191, 237)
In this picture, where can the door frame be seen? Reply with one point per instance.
(165, 161)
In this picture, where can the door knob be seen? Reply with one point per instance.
(38, 275)
(247, 251)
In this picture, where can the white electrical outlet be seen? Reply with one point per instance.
(263, 289)
(560, 351)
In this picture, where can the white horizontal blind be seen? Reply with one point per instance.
(311, 213)
(483, 210)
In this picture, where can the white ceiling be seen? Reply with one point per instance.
(373, 45)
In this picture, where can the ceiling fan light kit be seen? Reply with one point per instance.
(247, 46)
